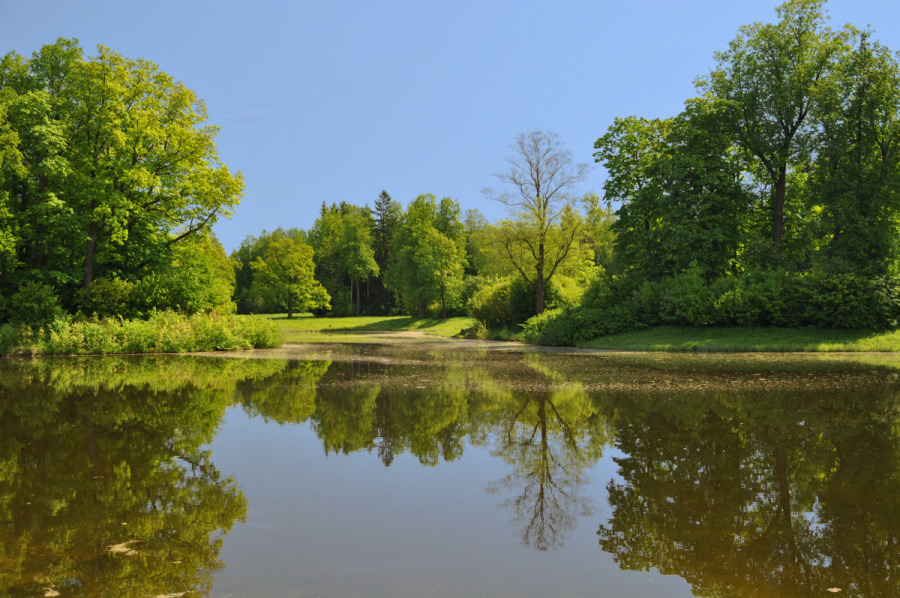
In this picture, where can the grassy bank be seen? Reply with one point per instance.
(164, 332)
(674, 338)
(306, 329)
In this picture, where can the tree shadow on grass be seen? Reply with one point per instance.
(392, 325)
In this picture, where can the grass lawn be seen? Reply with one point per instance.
(675, 338)
(306, 328)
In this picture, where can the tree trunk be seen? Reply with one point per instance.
(93, 235)
(539, 286)
(290, 306)
(784, 485)
(420, 306)
(539, 282)
(778, 208)
(358, 297)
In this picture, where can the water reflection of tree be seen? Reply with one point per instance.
(289, 396)
(766, 494)
(396, 409)
(548, 434)
(548, 429)
(100, 453)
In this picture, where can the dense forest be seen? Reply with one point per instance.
(770, 200)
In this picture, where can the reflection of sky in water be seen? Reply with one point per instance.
(346, 525)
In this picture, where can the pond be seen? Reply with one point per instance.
(373, 470)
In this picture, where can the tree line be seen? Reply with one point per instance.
(425, 259)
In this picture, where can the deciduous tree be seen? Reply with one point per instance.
(430, 250)
(543, 223)
(118, 164)
(286, 271)
(772, 74)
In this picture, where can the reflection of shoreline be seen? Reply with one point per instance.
(106, 481)
(722, 488)
(601, 371)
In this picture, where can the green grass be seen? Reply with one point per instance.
(674, 338)
(306, 328)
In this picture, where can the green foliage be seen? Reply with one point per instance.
(387, 214)
(162, 332)
(510, 301)
(34, 304)
(679, 184)
(599, 220)
(107, 297)
(250, 297)
(758, 298)
(489, 304)
(285, 271)
(200, 277)
(344, 252)
(769, 201)
(521, 302)
(773, 74)
(430, 255)
(630, 151)
(857, 170)
(686, 299)
(113, 167)
(847, 301)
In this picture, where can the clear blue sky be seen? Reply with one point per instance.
(336, 100)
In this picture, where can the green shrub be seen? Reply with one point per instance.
(522, 298)
(166, 332)
(553, 327)
(259, 333)
(759, 297)
(470, 285)
(489, 304)
(847, 300)
(685, 299)
(35, 304)
(107, 297)
(510, 301)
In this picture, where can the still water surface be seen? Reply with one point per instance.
(409, 471)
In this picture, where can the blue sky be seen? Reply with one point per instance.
(336, 100)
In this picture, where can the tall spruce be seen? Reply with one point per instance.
(387, 215)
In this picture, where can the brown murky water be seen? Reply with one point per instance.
(409, 470)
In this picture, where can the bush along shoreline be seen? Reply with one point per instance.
(161, 332)
(764, 298)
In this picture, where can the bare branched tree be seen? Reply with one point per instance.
(544, 223)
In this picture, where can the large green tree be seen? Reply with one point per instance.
(286, 272)
(631, 150)
(772, 74)
(386, 213)
(344, 254)
(250, 297)
(430, 250)
(856, 179)
(117, 165)
(356, 254)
